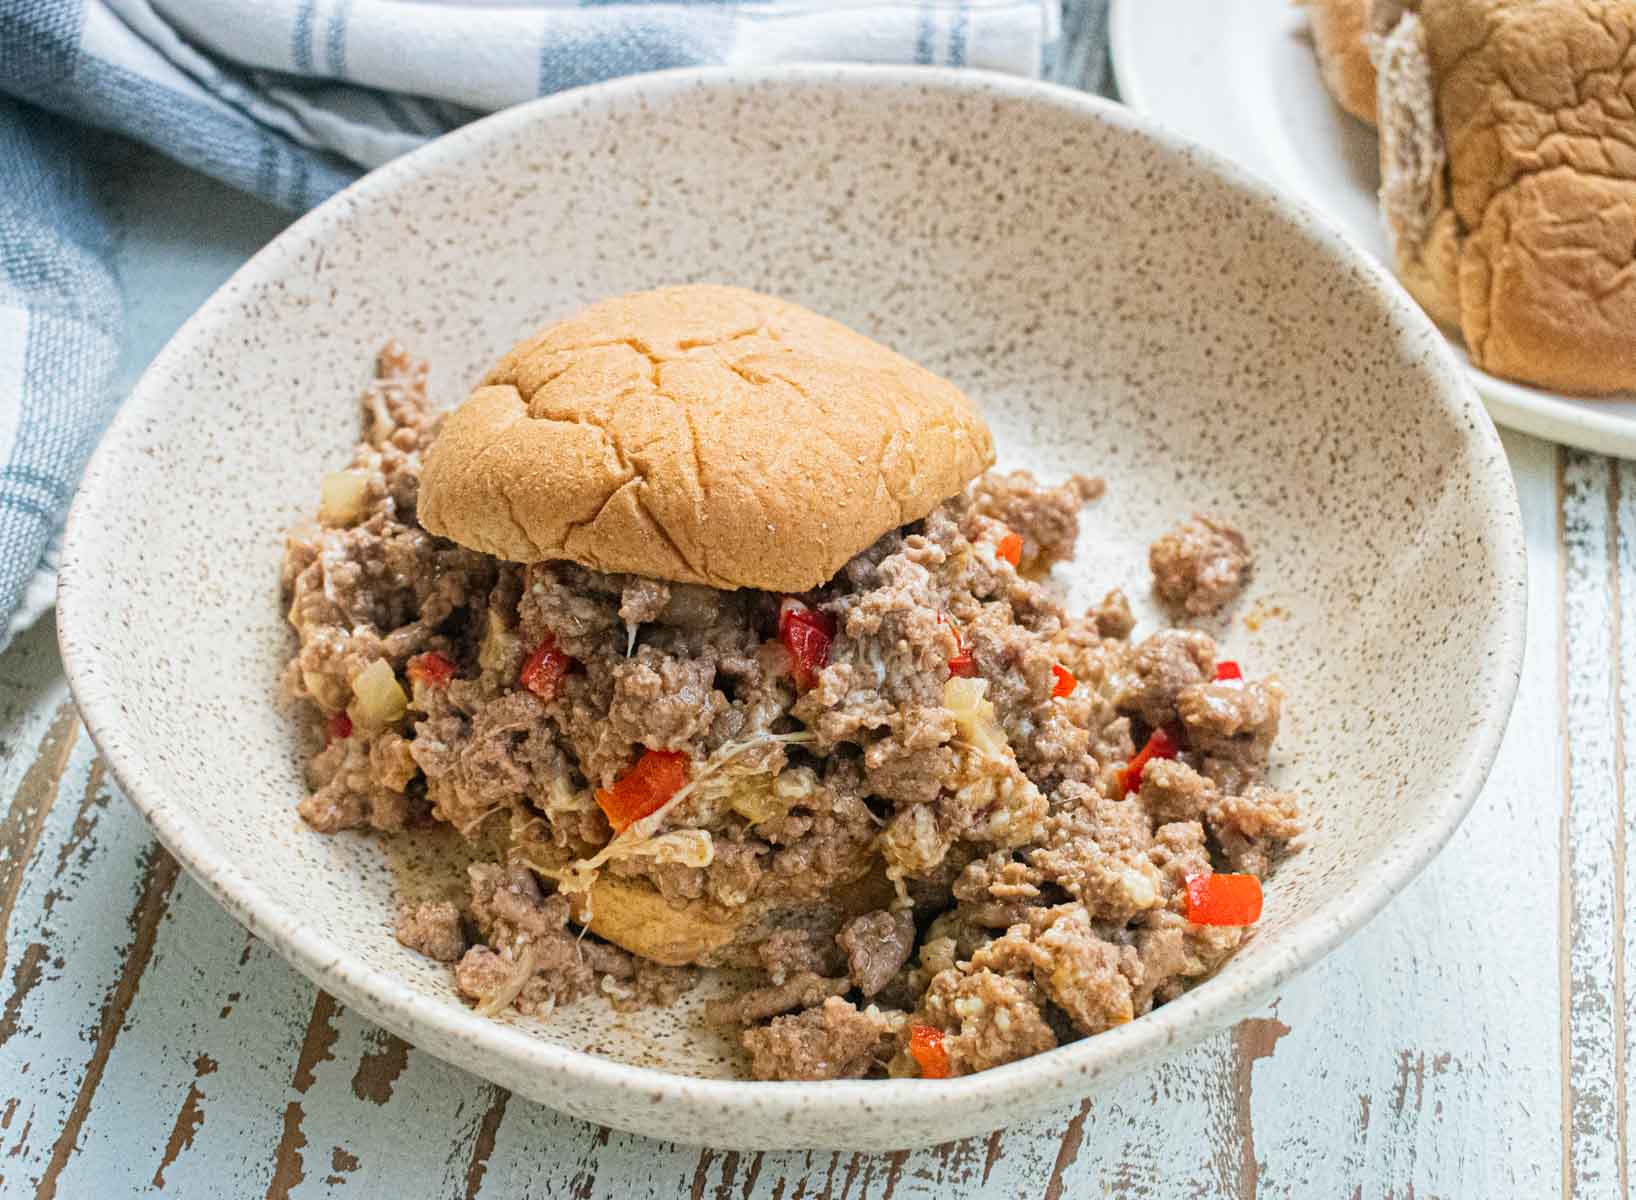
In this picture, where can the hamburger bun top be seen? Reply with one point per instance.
(701, 434)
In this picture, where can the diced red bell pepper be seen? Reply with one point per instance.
(1159, 745)
(1228, 669)
(431, 668)
(926, 1048)
(544, 669)
(1065, 682)
(962, 665)
(1223, 899)
(337, 728)
(806, 634)
(657, 776)
(1010, 548)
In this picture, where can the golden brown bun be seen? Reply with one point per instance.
(1338, 36)
(1527, 237)
(631, 914)
(703, 434)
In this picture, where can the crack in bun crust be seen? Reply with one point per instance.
(701, 434)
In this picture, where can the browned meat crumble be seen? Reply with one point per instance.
(1038, 899)
(1200, 567)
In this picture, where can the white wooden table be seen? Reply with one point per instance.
(1471, 1042)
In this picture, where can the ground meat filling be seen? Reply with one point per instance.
(935, 749)
(1200, 567)
(831, 1041)
(432, 928)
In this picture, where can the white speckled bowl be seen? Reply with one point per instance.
(1116, 300)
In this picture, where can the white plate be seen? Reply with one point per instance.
(1241, 78)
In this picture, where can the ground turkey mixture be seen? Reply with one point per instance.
(1048, 800)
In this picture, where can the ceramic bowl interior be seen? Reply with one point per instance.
(1117, 302)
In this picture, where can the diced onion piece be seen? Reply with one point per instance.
(499, 644)
(1140, 889)
(683, 847)
(968, 700)
(561, 796)
(341, 497)
(753, 799)
(378, 696)
(794, 784)
(964, 697)
(759, 798)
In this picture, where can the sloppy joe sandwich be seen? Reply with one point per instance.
(705, 616)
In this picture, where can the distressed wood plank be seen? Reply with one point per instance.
(488, 1128)
(190, 1099)
(31, 805)
(1145, 1137)
(159, 873)
(1422, 1055)
(38, 728)
(81, 928)
(1624, 519)
(1592, 867)
(380, 1109)
(1367, 1076)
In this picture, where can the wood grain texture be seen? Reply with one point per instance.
(1105, 1145)
(81, 903)
(1422, 1056)
(1592, 863)
(1457, 1047)
(1623, 596)
(208, 993)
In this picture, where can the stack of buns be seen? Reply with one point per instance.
(1508, 171)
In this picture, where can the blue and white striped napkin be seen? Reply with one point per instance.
(291, 100)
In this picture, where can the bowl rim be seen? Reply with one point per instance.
(1204, 1009)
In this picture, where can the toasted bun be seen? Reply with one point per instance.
(631, 914)
(1515, 219)
(702, 434)
(1338, 36)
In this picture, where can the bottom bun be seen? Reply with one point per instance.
(632, 914)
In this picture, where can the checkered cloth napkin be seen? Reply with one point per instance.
(293, 99)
